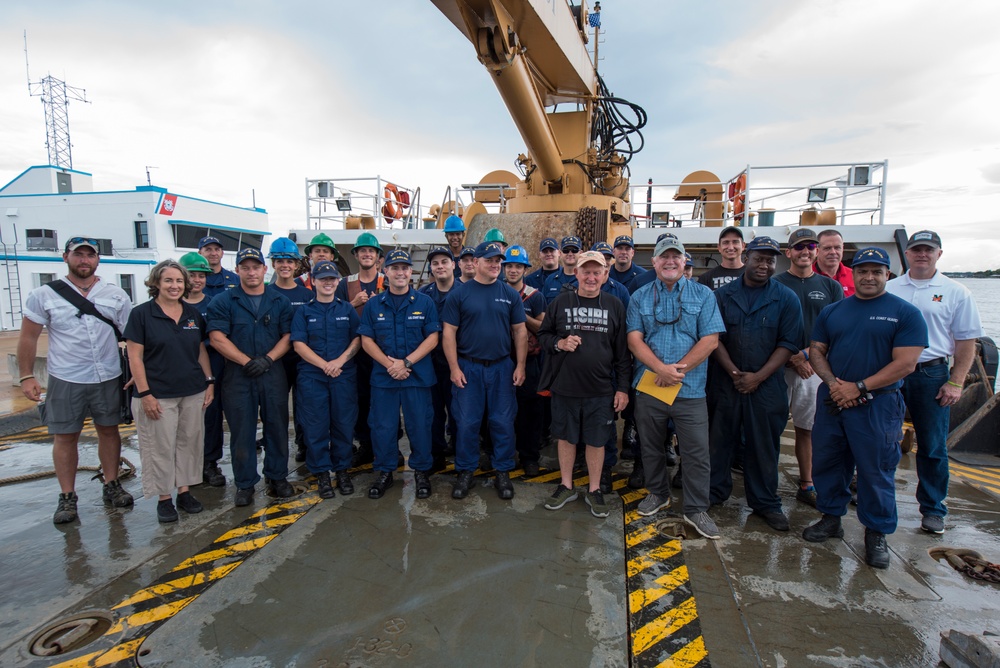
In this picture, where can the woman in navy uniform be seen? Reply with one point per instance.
(325, 335)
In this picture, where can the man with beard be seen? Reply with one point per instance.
(862, 348)
(84, 371)
(763, 330)
(480, 320)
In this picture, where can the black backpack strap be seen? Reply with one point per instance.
(82, 304)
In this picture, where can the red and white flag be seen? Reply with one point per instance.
(168, 205)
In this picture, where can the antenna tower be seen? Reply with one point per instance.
(55, 96)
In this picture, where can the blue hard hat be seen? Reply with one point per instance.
(517, 255)
(283, 247)
(454, 224)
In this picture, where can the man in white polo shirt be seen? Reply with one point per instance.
(953, 325)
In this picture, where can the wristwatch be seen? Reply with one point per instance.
(210, 379)
(407, 363)
(861, 387)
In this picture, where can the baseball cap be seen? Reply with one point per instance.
(249, 254)
(766, 244)
(870, 255)
(668, 243)
(209, 240)
(800, 235)
(624, 240)
(76, 242)
(488, 249)
(665, 235)
(398, 256)
(571, 242)
(603, 247)
(548, 242)
(688, 260)
(591, 256)
(924, 238)
(325, 269)
(468, 250)
(731, 228)
(439, 250)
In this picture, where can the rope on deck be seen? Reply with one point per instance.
(126, 469)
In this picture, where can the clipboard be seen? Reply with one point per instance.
(647, 385)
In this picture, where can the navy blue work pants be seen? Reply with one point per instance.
(931, 421)
(361, 429)
(444, 417)
(528, 423)
(243, 399)
(761, 417)
(415, 403)
(866, 437)
(327, 408)
(213, 414)
(489, 391)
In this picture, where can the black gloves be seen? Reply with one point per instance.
(258, 366)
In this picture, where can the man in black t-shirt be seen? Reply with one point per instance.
(731, 249)
(587, 371)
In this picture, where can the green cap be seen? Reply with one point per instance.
(194, 262)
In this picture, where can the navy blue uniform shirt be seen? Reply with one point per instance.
(217, 283)
(484, 315)
(624, 277)
(327, 329)
(253, 331)
(399, 332)
(754, 330)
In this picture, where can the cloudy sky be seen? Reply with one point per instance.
(231, 98)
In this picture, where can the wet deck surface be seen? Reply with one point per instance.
(355, 582)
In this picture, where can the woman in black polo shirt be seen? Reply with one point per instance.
(173, 386)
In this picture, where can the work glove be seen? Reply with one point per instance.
(258, 366)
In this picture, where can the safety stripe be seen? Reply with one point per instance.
(981, 478)
(664, 629)
(149, 608)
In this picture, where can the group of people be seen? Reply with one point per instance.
(490, 353)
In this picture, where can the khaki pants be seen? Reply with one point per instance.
(171, 448)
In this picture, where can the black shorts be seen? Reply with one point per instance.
(586, 420)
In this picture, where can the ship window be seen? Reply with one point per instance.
(41, 240)
(141, 234)
(105, 247)
(252, 241)
(127, 283)
(187, 236)
(43, 279)
(230, 239)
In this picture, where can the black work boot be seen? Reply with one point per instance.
(637, 479)
(606, 485)
(827, 527)
(876, 549)
(323, 486)
(212, 476)
(344, 484)
(280, 488)
(115, 496)
(505, 489)
(383, 481)
(422, 480)
(463, 483)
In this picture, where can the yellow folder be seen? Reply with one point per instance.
(647, 385)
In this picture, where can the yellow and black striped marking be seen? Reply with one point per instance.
(986, 479)
(149, 608)
(663, 618)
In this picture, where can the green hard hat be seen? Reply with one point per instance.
(493, 234)
(194, 262)
(321, 240)
(367, 240)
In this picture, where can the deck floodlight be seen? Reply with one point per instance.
(817, 195)
(343, 203)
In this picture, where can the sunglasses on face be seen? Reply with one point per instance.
(811, 245)
(571, 251)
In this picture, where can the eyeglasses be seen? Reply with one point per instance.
(656, 309)
(811, 245)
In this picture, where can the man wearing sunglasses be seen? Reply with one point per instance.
(815, 292)
(673, 326)
(84, 371)
(570, 249)
(748, 393)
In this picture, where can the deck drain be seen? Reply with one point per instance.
(71, 633)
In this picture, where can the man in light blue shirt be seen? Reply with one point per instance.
(673, 326)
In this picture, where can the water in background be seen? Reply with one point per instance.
(986, 292)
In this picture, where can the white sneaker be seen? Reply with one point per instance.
(652, 504)
(703, 524)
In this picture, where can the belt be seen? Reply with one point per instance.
(482, 362)
(930, 363)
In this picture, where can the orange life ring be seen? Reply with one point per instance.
(739, 190)
(393, 207)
